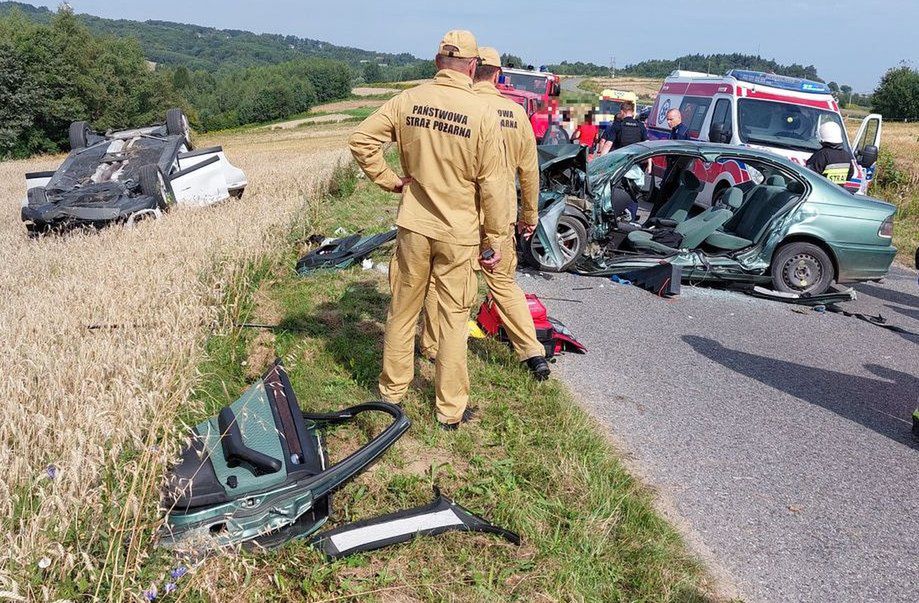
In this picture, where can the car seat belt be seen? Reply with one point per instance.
(441, 515)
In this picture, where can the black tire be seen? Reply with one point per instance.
(37, 196)
(572, 238)
(801, 268)
(177, 125)
(153, 183)
(79, 135)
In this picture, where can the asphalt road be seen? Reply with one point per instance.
(778, 440)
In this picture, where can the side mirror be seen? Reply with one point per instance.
(868, 156)
(716, 133)
(556, 90)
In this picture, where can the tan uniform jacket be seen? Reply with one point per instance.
(450, 145)
(520, 144)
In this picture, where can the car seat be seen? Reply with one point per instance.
(765, 202)
(695, 230)
(677, 207)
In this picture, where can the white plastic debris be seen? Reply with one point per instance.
(44, 563)
(367, 264)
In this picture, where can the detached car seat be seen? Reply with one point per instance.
(694, 231)
(677, 207)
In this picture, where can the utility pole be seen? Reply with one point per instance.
(612, 67)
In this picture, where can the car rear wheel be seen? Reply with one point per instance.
(153, 184)
(177, 125)
(79, 135)
(801, 268)
(572, 239)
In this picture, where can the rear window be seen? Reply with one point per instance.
(693, 110)
(610, 107)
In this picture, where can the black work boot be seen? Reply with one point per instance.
(539, 367)
(468, 414)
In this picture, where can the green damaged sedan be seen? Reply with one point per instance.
(722, 213)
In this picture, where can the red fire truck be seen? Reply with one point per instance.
(546, 88)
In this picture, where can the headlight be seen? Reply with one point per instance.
(886, 230)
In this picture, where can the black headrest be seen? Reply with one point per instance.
(689, 180)
(795, 188)
(775, 180)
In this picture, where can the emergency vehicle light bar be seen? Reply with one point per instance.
(779, 81)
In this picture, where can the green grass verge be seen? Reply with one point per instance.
(896, 184)
(534, 462)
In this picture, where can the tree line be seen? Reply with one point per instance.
(57, 72)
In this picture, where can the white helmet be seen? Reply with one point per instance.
(831, 133)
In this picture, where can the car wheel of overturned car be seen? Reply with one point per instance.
(177, 125)
(153, 183)
(79, 135)
(572, 238)
(801, 268)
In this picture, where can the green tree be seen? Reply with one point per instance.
(372, 72)
(511, 60)
(897, 96)
(181, 78)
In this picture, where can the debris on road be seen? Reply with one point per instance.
(555, 336)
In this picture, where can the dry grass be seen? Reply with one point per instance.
(93, 404)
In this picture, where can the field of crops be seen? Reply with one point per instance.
(102, 334)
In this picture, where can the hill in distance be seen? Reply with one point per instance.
(207, 48)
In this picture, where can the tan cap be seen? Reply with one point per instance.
(459, 43)
(489, 56)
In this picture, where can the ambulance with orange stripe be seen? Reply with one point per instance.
(762, 110)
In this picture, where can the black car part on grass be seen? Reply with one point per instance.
(259, 472)
(344, 252)
(441, 515)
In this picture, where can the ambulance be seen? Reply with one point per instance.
(610, 103)
(761, 110)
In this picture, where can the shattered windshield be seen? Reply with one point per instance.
(784, 125)
(530, 83)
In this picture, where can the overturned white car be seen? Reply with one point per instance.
(125, 175)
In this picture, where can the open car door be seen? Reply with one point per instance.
(869, 135)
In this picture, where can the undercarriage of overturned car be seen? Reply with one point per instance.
(123, 176)
(722, 214)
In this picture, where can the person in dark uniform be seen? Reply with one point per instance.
(832, 160)
(624, 132)
(678, 130)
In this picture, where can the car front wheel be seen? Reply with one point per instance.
(572, 239)
(801, 268)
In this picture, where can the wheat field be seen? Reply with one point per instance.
(83, 408)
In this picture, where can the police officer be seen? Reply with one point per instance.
(520, 145)
(450, 146)
(678, 130)
(832, 160)
(623, 132)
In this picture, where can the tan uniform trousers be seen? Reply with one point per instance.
(417, 261)
(511, 303)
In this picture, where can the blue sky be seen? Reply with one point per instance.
(851, 41)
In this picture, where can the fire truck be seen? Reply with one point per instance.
(546, 88)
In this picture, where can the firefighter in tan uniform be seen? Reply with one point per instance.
(450, 148)
(520, 145)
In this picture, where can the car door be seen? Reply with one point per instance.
(869, 134)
